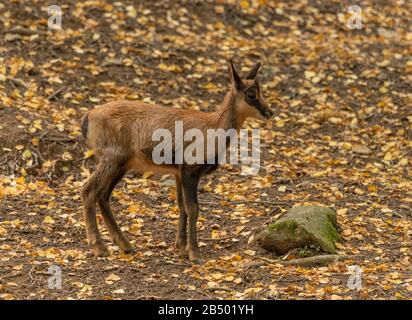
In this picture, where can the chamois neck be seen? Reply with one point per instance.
(226, 115)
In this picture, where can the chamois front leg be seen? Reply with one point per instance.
(181, 236)
(89, 198)
(190, 182)
(109, 176)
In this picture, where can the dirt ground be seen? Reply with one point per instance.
(341, 137)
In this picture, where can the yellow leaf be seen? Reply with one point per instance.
(35, 141)
(20, 180)
(342, 211)
(229, 278)
(282, 188)
(133, 208)
(118, 291)
(215, 234)
(89, 153)
(27, 154)
(212, 284)
(244, 4)
(67, 156)
(347, 232)
(372, 188)
(403, 162)
(148, 174)
(217, 276)
(388, 156)
(3, 231)
(16, 223)
(112, 277)
(399, 295)
(309, 74)
(48, 220)
(172, 68)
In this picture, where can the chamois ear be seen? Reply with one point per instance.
(234, 77)
(253, 73)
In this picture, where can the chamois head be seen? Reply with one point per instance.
(248, 94)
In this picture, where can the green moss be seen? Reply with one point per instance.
(330, 232)
(286, 225)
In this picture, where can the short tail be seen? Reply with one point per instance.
(85, 125)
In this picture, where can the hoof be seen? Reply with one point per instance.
(128, 250)
(100, 250)
(198, 261)
(195, 258)
(126, 247)
(181, 247)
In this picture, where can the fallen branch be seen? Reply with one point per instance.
(249, 202)
(260, 202)
(23, 32)
(316, 260)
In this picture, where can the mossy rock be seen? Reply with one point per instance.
(302, 226)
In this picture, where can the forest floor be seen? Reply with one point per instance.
(341, 137)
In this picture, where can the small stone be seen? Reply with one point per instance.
(302, 226)
(361, 149)
(11, 37)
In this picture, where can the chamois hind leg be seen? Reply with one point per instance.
(112, 172)
(181, 236)
(89, 197)
(190, 182)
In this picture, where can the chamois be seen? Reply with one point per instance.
(120, 133)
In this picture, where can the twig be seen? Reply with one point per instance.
(17, 81)
(255, 264)
(399, 215)
(31, 270)
(148, 298)
(36, 162)
(60, 139)
(215, 239)
(181, 264)
(220, 289)
(116, 62)
(24, 32)
(53, 95)
(268, 260)
(11, 275)
(38, 153)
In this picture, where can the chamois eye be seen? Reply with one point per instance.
(251, 95)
